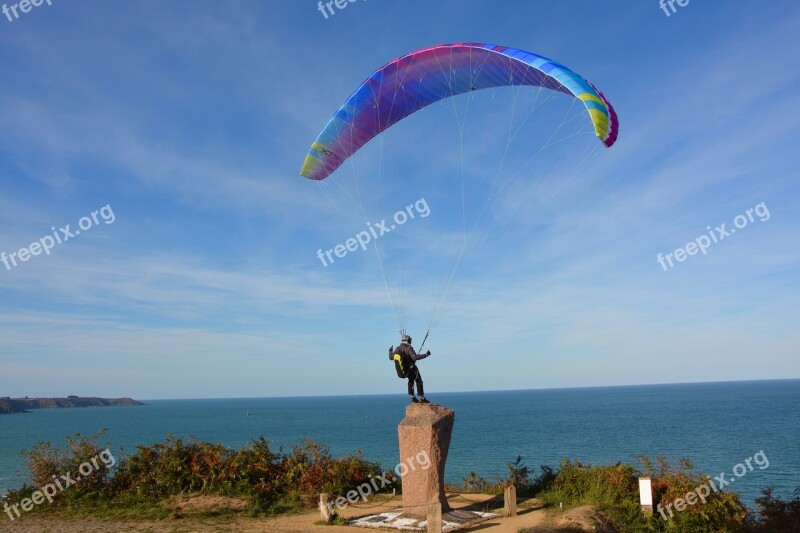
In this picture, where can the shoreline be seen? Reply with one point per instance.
(10, 405)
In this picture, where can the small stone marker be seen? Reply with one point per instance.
(510, 500)
(435, 518)
(326, 507)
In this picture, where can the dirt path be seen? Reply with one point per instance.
(304, 522)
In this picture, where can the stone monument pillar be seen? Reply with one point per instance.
(424, 434)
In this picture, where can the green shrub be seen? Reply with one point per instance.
(271, 482)
(46, 464)
(778, 515)
(476, 484)
(518, 475)
(174, 467)
(722, 511)
(614, 490)
(312, 469)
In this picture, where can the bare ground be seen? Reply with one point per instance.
(530, 518)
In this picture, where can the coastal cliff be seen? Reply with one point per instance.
(21, 405)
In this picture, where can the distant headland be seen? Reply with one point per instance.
(21, 405)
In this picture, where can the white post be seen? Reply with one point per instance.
(646, 495)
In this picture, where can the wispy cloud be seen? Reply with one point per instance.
(192, 121)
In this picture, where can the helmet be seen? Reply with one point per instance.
(407, 339)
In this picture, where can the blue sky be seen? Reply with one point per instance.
(191, 120)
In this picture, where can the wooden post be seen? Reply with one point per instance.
(326, 507)
(510, 500)
(435, 518)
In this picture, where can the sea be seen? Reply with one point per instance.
(717, 426)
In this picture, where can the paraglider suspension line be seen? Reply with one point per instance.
(423, 340)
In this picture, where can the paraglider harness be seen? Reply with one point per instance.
(403, 364)
(402, 370)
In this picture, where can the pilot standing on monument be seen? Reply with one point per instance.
(405, 362)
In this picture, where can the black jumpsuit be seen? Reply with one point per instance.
(409, 362)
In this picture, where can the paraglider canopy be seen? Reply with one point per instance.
(421, 78)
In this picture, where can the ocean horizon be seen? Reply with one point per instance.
(487, 391)
(715, 425)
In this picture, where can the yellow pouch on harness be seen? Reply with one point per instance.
(398, 365)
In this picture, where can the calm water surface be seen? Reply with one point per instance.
(715, 425)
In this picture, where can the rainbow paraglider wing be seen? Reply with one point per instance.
(421, 78)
